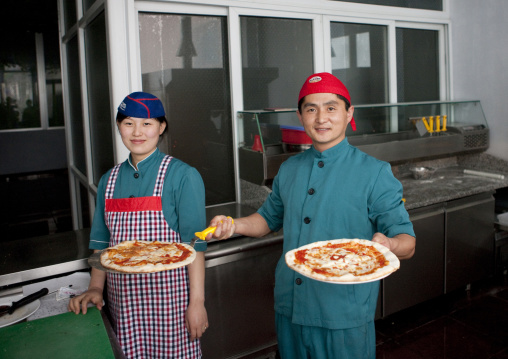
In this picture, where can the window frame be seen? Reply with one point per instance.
(122, 32)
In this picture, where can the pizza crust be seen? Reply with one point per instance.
(107, 261)
(348, 278)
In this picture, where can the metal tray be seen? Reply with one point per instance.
(95, 262)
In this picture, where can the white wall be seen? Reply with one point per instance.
(480, 63)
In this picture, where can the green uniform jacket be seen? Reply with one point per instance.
(339, 193)
(183, 197)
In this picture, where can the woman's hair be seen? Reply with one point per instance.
(162, 119)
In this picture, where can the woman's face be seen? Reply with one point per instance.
(140, 136)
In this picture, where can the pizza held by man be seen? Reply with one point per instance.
(343, 261)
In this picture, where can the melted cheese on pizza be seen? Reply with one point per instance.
(340, 259)
(139, 254)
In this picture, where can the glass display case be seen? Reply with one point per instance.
(390, 132)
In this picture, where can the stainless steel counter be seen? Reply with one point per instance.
(41, 257)
(46, 256)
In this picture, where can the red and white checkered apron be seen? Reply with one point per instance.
(148, 310)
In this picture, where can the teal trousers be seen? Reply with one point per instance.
(304, 342)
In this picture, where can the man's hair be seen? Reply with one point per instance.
(348, 105)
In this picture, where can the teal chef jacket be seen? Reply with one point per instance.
(339, 193)
(183, 197)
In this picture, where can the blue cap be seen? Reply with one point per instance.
(141, 105)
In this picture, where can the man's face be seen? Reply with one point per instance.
(325, 119)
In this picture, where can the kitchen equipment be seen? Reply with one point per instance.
(20, 314)
(484, 174)
(257, 144)
(6, 309)
(295, 135)
(202, 235)
(422, 172)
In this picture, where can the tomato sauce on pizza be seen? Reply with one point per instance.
(146, 257)
(343, 260)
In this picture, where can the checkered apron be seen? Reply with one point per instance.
(148, 310)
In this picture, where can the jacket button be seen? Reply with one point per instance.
(306, 220)
(321, 164)
(311, 191)
(136, 175)
(298, 281)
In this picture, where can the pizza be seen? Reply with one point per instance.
(343, 261)
(146, 257)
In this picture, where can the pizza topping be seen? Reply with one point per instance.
(143, 256)
(153, 253)
(343, 258)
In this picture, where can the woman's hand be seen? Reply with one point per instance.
(80, 303)
(196, 320)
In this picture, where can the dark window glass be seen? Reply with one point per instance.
(101, 120)
(19, 103)
(87, 4)
(359, 59)
(417, 65)
(413, 4)
(185, 62)
(69, 9)
(277, 57)
(75, 108)
(54, 95)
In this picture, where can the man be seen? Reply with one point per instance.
(331, 191)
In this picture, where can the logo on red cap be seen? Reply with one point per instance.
(315, 79)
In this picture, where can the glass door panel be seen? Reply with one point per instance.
(277, 57)
(184, 61)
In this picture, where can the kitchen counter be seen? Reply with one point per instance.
(46, 256)
(449, 182)
(446, 184)
(41, 257)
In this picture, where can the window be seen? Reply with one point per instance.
(184, 62)
(75, 109)
(417, 65)
(89, 131)
(100, 117)
(359, 59)
(31, 86)
(276, 59)
(413, 4)
(208, 61)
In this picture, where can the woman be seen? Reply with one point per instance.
(156, 315)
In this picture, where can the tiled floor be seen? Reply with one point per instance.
(460, 325)
(463, 324)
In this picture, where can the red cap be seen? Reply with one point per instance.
(325, 82)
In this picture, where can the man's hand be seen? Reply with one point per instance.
(225, 228)
(402, 245)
